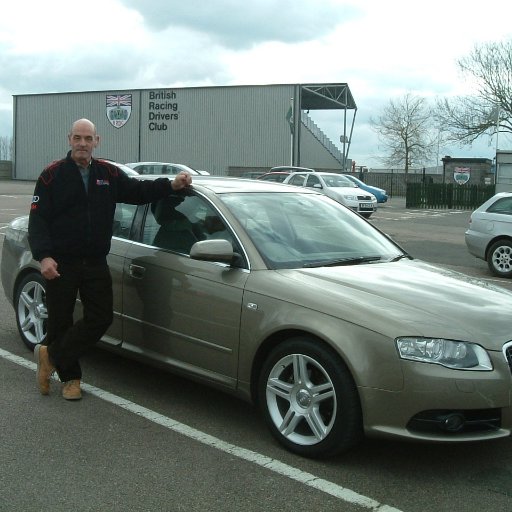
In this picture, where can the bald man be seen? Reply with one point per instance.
(69, 232)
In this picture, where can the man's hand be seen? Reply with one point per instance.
(181, 181)
(49, 268)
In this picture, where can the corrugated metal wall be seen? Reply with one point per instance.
(217, 127)
(211, 128)
(42, 123)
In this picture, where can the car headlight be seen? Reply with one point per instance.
(350, 198)
(459, 355)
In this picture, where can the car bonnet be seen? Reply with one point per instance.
(407, 298)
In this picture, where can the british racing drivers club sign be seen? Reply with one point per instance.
(119, 109)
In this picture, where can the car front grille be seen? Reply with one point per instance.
(364, 198)
(507, 352)
(456, 422)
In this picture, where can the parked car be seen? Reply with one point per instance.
(161, 168)
(338, 187)
(489, 236)
(275, 176)
(124, 168)
(291, 168)
(285, 297)
(251, 175)
(379, 193)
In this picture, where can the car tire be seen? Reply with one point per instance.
(499, 258)
(30, 308)
(317, 414)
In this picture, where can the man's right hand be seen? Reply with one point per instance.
(49, 268)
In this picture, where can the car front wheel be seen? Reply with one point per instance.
(30, 307)
(309, 399)
(499, 258)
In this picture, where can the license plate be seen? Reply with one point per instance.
(366, 206)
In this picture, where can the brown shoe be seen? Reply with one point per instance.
(71, 390)
(44, 368)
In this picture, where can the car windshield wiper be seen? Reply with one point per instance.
(399, 257)
(343, 261)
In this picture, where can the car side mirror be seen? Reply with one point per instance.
(213, 250)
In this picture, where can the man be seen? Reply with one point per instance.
(69, 232)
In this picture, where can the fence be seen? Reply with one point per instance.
(447, 195)
(5, 169)
(395, 184)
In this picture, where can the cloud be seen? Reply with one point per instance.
(241, 25)
(133, 44)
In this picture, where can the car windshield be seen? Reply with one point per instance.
(337, 181)
(295, 230)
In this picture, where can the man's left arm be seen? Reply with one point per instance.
(135, 191)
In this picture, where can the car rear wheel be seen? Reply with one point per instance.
(30, 307)
(499, 258)
(309, 399)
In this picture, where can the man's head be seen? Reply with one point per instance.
(82, 139)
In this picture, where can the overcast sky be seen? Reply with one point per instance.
(383, 49)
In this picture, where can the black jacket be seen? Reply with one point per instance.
(67, 223)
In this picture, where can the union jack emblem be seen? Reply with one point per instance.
(119, 109)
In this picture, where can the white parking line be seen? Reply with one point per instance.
(415, 214)
(335, 490)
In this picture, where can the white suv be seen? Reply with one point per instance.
(337, 187)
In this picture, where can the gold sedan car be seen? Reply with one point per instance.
(285, 297)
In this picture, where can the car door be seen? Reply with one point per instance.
(182, 312)
(123, 219)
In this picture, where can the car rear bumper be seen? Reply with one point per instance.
(477, 243)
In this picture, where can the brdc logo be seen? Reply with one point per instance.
(461, 175)
(119, 109)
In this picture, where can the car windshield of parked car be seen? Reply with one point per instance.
(338, 181)
(296, 230)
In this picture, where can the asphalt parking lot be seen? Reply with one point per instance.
(144, 440)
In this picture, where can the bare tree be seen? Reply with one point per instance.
(405, 131)
(465, 118)
(6, 148)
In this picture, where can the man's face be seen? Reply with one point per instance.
(82, 140)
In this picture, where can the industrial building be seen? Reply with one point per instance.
(225, 130)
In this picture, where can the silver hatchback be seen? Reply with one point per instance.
(489, 236)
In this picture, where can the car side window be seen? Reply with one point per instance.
(123, 219)
(312, 181)
(297, 179)
(503, 205)
(176, 223)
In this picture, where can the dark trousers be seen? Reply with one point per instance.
(68, 340)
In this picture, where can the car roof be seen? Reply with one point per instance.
(286, 173)
(149, 163)
(321, 173)
(127, 170)
(222, 184)
(134, 165)
(291, 168)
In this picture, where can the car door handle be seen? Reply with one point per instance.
(137, 271)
